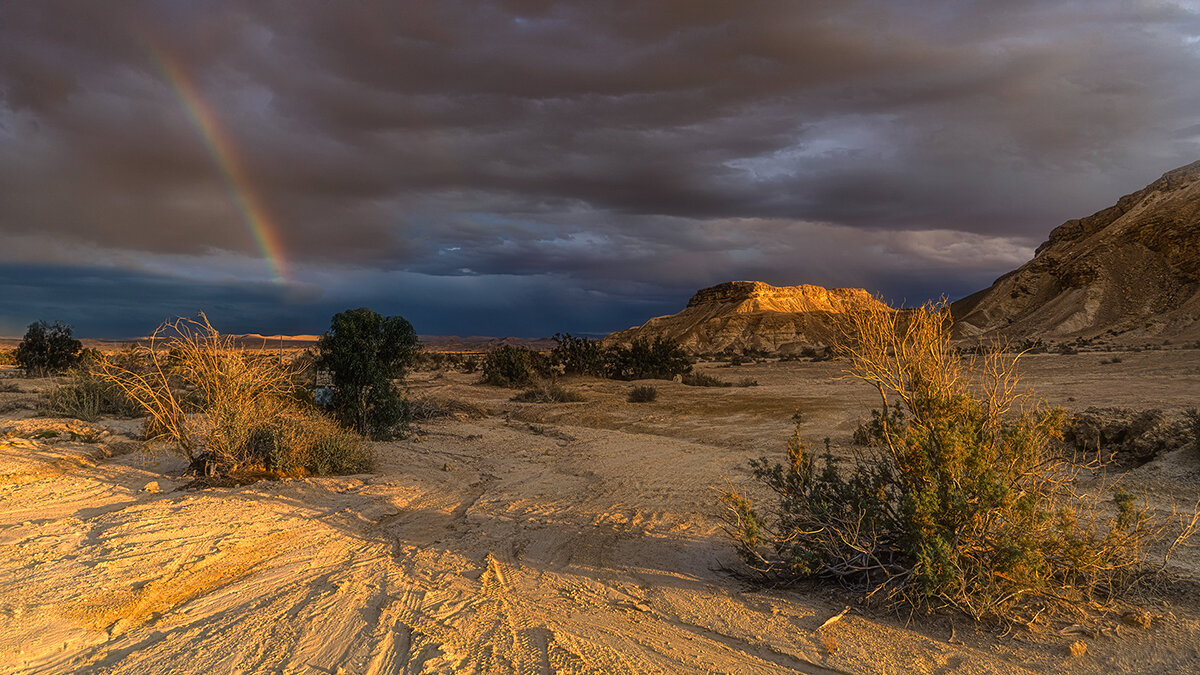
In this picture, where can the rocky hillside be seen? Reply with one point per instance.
(1130, 271)
(752, 315)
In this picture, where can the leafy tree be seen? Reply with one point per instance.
(47, 348)
(367, 353)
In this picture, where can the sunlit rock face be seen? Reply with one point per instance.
(740, 315)
(1129, 271)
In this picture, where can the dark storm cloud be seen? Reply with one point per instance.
(663, 144)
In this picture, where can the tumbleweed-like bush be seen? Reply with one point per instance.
(228, 409)
(964, 504)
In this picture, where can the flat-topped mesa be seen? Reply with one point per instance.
(756, 296)
(744, 315)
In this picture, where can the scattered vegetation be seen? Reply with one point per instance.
(643, 394)
(8, 357)
(46, 349)
(962, 506)
(434, 361)
(367, 354)
(225, 409)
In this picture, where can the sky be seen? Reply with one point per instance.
(525, 167)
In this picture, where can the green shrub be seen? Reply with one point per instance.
(704, 380)
(579, 356)
(960, 508)
(871, 431)
(645, 360)
(47, 348)
(367, 354)
(549, 393)
(643, 394)
(509, 366)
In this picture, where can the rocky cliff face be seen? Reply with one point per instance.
(752, 315)
(1131, 271)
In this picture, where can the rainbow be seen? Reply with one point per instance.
(221, 146)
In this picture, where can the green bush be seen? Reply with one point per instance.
(645, 360)
(509, 366)
(960, 508)
(367, 354)
(643, 394)
(579, 356)
(47, 348)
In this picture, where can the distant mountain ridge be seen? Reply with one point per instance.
(740, 315)
(1131, 271)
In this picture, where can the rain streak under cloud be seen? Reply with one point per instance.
(529, 167)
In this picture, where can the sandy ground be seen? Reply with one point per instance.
(579, 537)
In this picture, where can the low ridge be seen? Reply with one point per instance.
(741, 315)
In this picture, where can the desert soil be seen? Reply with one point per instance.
(509, 538)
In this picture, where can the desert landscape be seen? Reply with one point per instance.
(506, 337)
(570, 528)
(513, 537)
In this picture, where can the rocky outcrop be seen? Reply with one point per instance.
(741, 315)
(1129, 271)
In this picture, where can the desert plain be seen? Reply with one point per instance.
(507, 537)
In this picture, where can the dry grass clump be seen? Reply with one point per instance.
(428, 408)
(88, 395)
(552, 392)
(227, 409)
(697, 379)
(643, 394)
(963, 506)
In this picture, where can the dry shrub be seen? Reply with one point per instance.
(423, 409)
(227, 409)
(697, 379)
(643, 394)
(88, 395)
(963, 505)
(552, 392)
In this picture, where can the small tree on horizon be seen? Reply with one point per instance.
(47, 348)
(366, 354)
